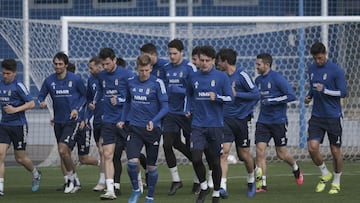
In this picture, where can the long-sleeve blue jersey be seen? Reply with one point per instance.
(246, 97)
(158, 69)
(147, 101)
(275, 92)
(327, 102)
(208, 113)
(67, 94)
(113, 84)
(92, 90)
(15, 94)
(177, 77)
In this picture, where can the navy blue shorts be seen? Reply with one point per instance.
(175, 122)
(139, 137)
(319, 126)
(212, 137)
(264, 133)
(15, 134)
(113, 135)
(97, 131)
(65, 133)
(237, 130)
(82, 139)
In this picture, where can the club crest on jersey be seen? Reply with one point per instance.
(9, 93)
(212, 84)
(324, 76)
(269, 85)
(103, 83)
(147, 91)
(141, 90)
(116, 82)
(70, 83)
(181, 74)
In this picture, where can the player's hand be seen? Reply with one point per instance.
(120, 124)
(307, 99)
(188, 114)
(319, 87)
(150, 126)
(74, 114)
(92, 105)
(43, 105)
(212, 96)
(113, 100)
(82, 125)
(9, 109)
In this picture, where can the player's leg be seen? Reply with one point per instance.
(209, 161)
(262, 138)
(316, 133)
(3, 149)
(224, 169)
(100, 186)
(117, 167)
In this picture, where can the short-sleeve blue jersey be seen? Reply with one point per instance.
(177, 77)
(247, 95)
(275, 93)
(15, 94)
(93, 89)
(158, 69)
(327, 103)
(67, 94)
(113, 84)
(147, 101)
(205, 112)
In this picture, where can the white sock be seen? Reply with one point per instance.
(66, 179)
(35, 173)
(204, 185)
(251, 177)
(336, 179)
(101, 178)
(323, 169)
(223, 183)
(2, 184)
(117, 186)
(77, 179)
(109, 185)
(295, 166)
(174, 174)
(264, 180)
(216, 193)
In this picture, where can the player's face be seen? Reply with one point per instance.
(195, 60)
(220, 65)
(206, 63)
(8, 75)
(109, 64)
(175, 56)
(261, 67)
(94, 69)
(144, 72)
(59, 66)
(320, 59)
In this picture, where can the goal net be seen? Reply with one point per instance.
(287, 39)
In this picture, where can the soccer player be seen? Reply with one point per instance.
(178, 119)
(113, 82)
(327, 86)
(275, 92)
(237, 114)
(14, 101)
(147, 102)
(68, 94)
(157, 63)
(209, 89)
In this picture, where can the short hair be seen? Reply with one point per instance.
(196, 51)
(62, 57)
(149, 48)
(143, 60)
(9, 64)
(107, 53)
(71, 67)
(96, 60)
(208, 51)
(228, 55)
(266, 57)
(120, 62)
(317, 48)
(177, 44)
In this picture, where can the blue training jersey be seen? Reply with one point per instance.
(208, 113)
(275, 92)
(246, 97)
(177, 77)
(16, 94)
(92, 90)
(158, 69)
(147, 101)
(327, 103)
(113, 84)
(67, 94)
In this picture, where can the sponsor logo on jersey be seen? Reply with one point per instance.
(62, 91)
